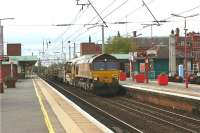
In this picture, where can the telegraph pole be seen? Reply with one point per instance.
(63, 53)
(102, 46)
(43, 49)
(151, 26)
(185, 51)
(74, 50)
(103, 22)
(69, 52)
(1, 54)
(62, 46)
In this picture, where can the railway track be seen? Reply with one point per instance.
(106, 118)
(192, 122)
(127, 115)
(171, 120)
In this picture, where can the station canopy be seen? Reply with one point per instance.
(24, 60)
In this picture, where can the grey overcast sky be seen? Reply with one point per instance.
(34, 19)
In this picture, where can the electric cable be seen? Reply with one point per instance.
(110, 4)
(108, 14)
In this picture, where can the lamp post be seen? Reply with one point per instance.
(185, 46)
(1, 54)
(69, 50)
(1, 36)
(132, 68)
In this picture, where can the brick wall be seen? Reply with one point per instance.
(14, 49)
(90, 48)
(7, 70)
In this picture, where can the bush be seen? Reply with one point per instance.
(9, 78)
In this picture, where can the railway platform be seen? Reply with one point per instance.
(36, 107)
(20, 110)
(174, 89)
(173, 95)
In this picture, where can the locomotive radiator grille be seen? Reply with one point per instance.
(105, 76)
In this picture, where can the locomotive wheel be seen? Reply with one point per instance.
(85, 86)
(88, 85)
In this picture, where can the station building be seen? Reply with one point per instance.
(167, 55)
(18, 66)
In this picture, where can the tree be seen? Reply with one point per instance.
(119, 44)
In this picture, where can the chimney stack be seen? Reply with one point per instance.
(177, 34)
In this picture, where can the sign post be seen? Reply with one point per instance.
(147, 69)
(1, 53)
(2, 58)
(11, 69)
(131, 63)
(1, 77)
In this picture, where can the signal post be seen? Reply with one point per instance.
(2, 58)
(1, 77)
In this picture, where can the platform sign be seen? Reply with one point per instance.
(142, 67)
(180, 71)
(151, 52)
(4, 58)
(131, 56)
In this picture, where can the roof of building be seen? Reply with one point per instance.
(8, 63)
(121, 56)
(23, 58)
(148, 41)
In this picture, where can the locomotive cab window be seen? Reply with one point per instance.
(105, 66)
(99, 65)
(111, 65)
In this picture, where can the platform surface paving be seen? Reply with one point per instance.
(20, 110)
(70, 118)
(172, 88)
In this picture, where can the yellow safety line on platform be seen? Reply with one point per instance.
(45, 114)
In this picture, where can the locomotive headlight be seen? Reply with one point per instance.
(198, 74)
(115, 76)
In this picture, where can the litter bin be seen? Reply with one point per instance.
(122, 76)
(162, 79)
(139, 78)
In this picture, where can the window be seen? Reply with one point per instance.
(106, 66)
(111, 65)
(99, 66)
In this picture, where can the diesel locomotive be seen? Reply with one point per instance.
(96, 73)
